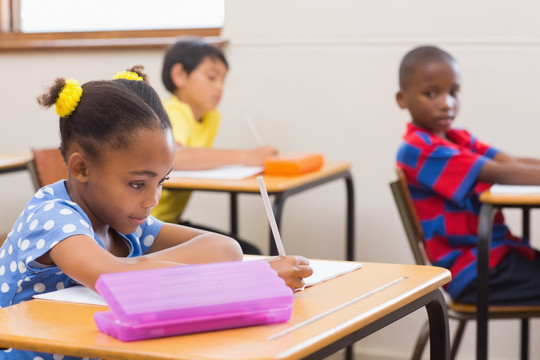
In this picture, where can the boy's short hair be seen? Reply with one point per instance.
(190, 53)
(420, 56)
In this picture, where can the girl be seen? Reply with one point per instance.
(118, 147)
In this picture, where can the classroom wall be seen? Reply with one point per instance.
(320, 75)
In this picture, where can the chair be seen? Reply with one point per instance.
(456, 311)
(47, 167)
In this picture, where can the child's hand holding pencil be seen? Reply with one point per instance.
(292, 269)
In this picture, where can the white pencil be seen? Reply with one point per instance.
(271, 218)
(253, 129)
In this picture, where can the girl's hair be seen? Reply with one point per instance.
(136, 80)
(190, 53)
(103, 114)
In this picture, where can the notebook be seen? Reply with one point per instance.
(515, 189)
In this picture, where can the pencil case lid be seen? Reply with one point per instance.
(189, 292)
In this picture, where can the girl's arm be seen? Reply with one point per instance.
(194, 158)
(83, 260)
(210, 247)
(189, 245)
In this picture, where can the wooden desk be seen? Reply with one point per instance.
(281, 187)
(490, 204)
(10, 162)
(326, 318)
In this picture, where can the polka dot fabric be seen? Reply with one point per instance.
(49, 218)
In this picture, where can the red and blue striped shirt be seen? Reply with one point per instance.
(442, 176)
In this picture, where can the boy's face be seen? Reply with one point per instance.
(203, 87)
(432, 95)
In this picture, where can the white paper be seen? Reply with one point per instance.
(323, 270)
(229, 172)
(76, 294)
(515, 189)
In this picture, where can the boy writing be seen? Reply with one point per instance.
(194, 73)
(446, 169)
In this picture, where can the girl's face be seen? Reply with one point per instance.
(124, 185)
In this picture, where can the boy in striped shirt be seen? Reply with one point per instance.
(447, 168)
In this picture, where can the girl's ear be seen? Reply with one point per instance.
(401, 99)
(78, 167)
(178, 75)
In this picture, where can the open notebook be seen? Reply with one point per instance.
(515, 189)
(322, 270)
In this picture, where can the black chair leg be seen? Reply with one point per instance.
(421, 342)
(457, 338)
(524, 339)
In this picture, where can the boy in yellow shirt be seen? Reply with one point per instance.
(194, 73)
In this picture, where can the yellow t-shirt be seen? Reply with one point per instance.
(187, 131)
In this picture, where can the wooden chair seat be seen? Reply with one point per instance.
(495, 310)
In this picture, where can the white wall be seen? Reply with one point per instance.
(320, 75)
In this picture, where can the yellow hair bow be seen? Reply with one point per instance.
(128, 75)
(68, 98)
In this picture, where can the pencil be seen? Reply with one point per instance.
(271, 218)
(253, 129)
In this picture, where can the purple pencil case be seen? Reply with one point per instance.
(191, 298)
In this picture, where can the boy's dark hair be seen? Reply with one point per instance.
(190, 53)
(420, 56)
(108, 115)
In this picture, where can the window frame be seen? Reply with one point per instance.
(12, 39)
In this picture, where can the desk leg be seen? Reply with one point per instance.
(435, 305)
(485, 228)
(277, 207)
(280, 198)
(234, 215)
(350, 216)
(525, 220)
(439, 337)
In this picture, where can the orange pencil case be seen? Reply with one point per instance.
(293, 164)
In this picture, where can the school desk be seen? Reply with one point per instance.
(14, 161)
(491, 202)
(326, 318)
(281, 187)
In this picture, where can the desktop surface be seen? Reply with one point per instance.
(274, 184)
(322, 315)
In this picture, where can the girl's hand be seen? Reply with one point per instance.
(292, 269)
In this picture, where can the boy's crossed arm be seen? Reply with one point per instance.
(506, 169)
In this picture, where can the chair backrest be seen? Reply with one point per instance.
(47, 167)
(409, 217)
